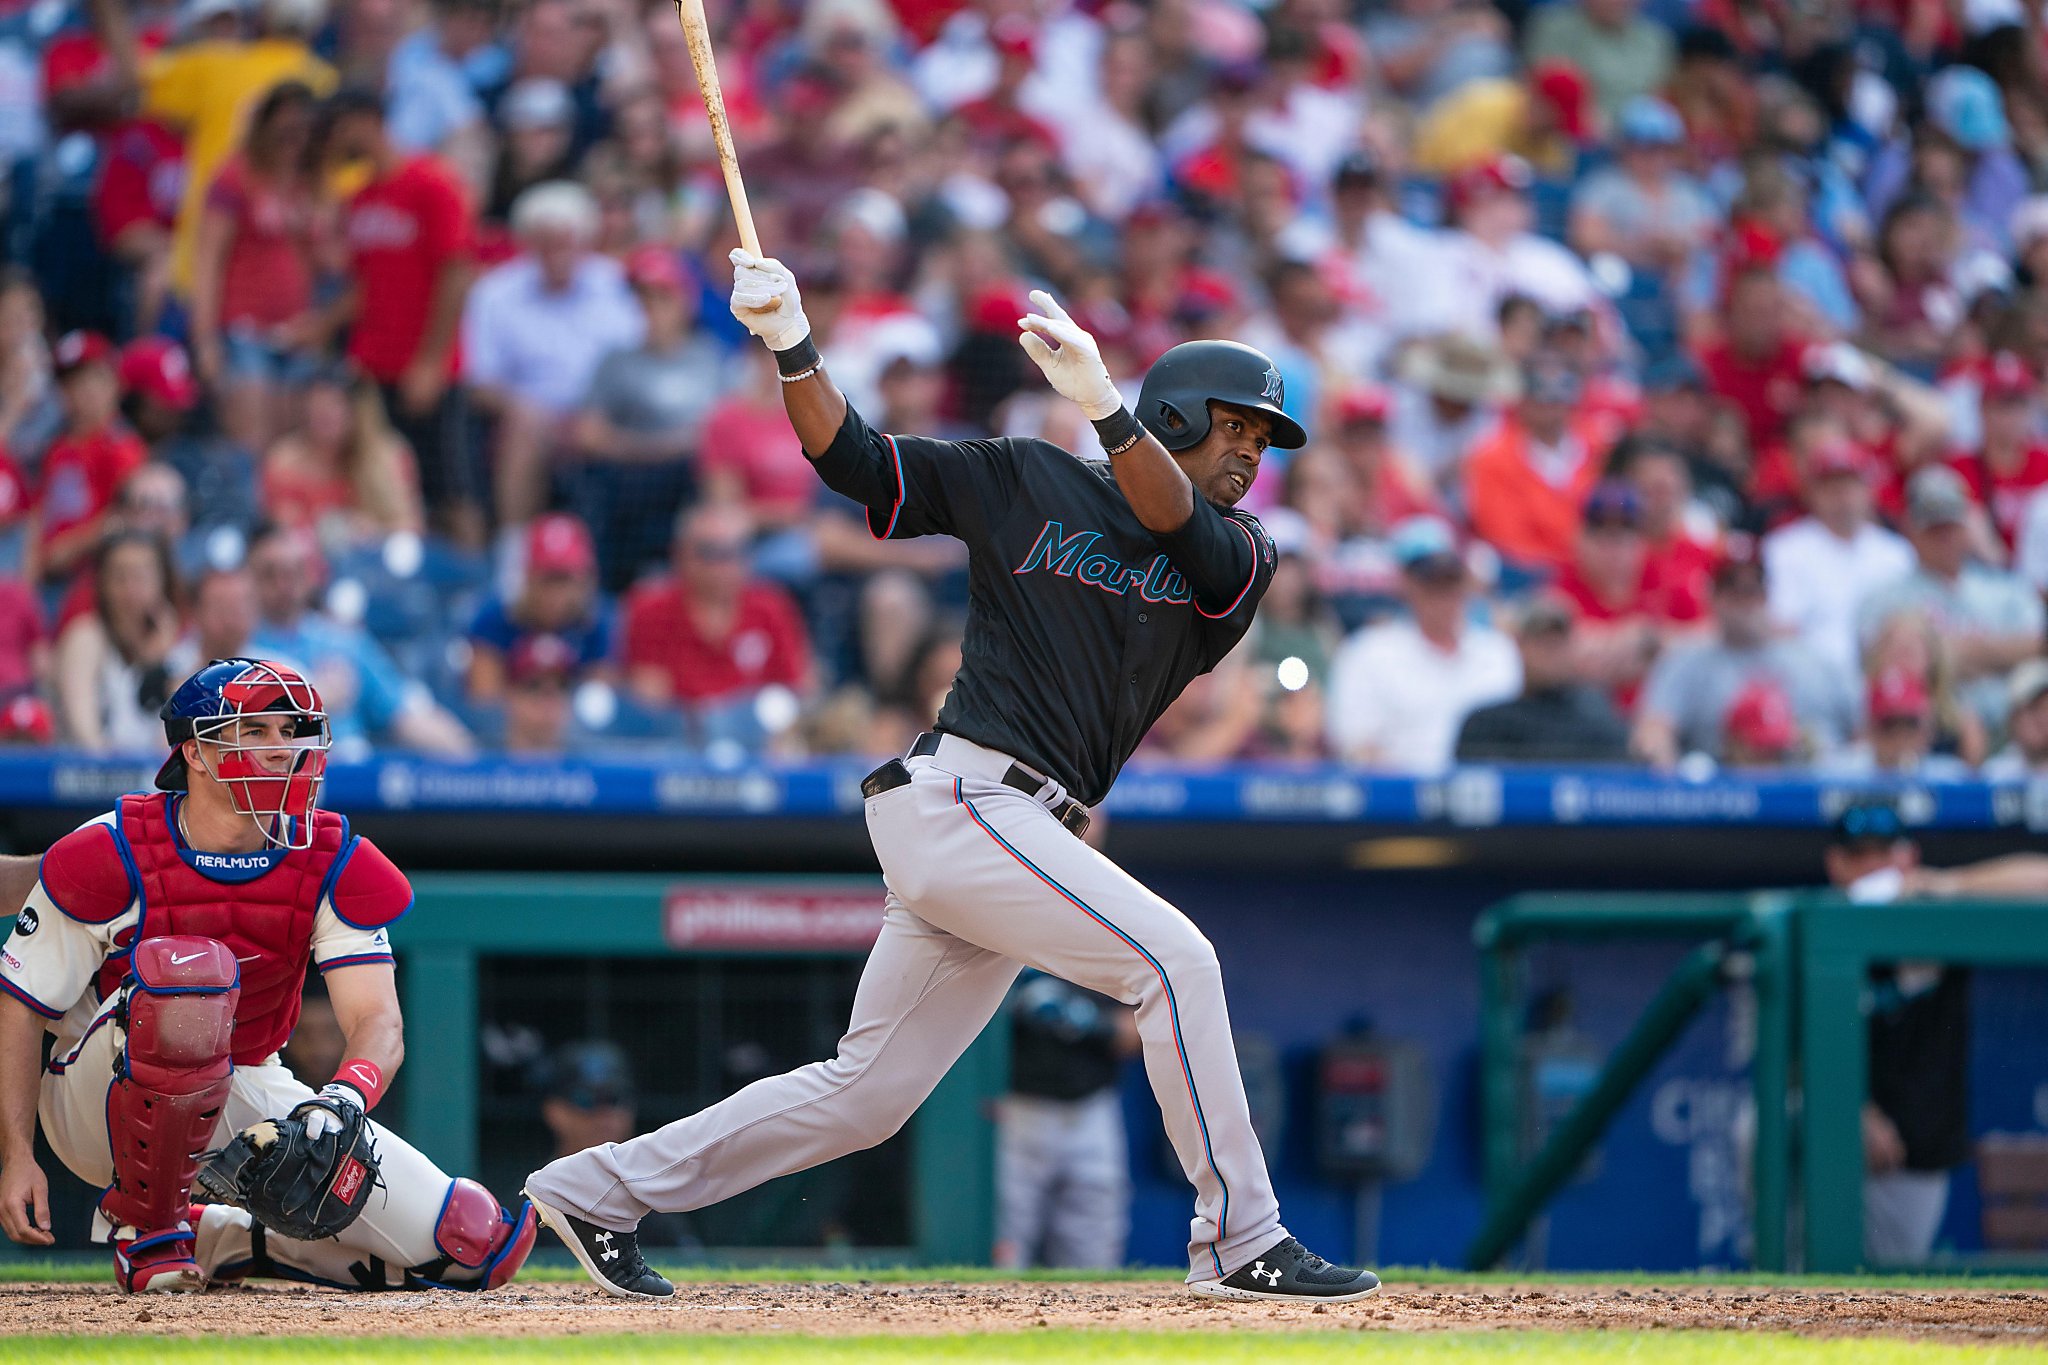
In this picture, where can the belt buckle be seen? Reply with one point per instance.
(1076, 818)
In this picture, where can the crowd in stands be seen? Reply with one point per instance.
(1676, 372)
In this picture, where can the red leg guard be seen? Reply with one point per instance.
(477, 1234)
(170, 1084)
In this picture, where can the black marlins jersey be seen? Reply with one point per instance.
(1082, 626)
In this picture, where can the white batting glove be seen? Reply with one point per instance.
(1069, 357)
(320, 1122)
(765, 300)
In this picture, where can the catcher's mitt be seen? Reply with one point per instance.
(295, 1184)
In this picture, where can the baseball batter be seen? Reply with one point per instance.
(165, 944)
(1097, 592)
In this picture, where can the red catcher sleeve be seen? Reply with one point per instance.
(85, 875)
(369, 891)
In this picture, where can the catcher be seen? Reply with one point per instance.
(165, 944)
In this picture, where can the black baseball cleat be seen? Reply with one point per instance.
(1289, 1272)
(610, 1258)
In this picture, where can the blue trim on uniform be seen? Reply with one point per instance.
(343, 852)
(158, 1239)
(25, 998)
(128, 861)
(1172, 1008)
(1219, 615)
(56, 1067)
(902, 492)
(148, 989)
(358, 960)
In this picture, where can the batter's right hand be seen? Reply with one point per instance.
(765, 300)
(25, 1203)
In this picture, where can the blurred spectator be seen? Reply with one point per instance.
(534, 332)
(1368, 251)
(409, 232)
(1216, 717)
(1627, 610)
(1900, 740)
(84, 468)
(1624, 54)
(1759, 729)
(2010, 464)
(2027, 722)
(223, 615)
(1545, 118)
(433, 79)
(639, 425)
(366, 694)
(1557, 718)
(342, 472)
(252, 269)
(1643, 208)
(1989, 619)
(206, 87)
(1451, 394)
(1825, 564)
(1400, 690)
(539, 673)
(1680, 540)
(24, 642)
(116, 665)
(158, 395)
(539, 122)
(1428, 48)
(29, 411)
(1527, 481)
(1490, 252)
(706, 635)
(1689, 692)
(1908, 641)
(558, 599)
(1757, 366)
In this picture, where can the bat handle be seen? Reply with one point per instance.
(742, 213)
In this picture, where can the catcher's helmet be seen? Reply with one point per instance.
(209, 701)
(1173, 403)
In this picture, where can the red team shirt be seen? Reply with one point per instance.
(2004, 495)
(767, 644)
(401, 231)
(81, 475)
(268, 276)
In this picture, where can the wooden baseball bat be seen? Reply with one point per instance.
(697, 32)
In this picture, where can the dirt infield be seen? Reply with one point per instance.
(2011, 1317)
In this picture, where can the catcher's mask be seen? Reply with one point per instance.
(280, 796)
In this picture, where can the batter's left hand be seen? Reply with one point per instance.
(1069, 357)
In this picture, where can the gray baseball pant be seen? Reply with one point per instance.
(981, 879)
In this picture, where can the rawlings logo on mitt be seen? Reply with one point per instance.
(296, 1184)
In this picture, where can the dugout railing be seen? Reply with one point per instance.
(1806, 956)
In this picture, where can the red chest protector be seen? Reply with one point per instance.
(267, 921)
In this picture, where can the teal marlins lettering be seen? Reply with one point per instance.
(1070, 556)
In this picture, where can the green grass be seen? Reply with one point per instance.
(553, 1267)
(1041, 1348)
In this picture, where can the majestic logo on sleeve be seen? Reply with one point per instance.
(1074, 556)
(27, 922)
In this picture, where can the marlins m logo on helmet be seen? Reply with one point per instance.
(1273, 389)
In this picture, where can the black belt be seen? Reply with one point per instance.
(893, 774)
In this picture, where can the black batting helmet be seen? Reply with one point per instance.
(1174, 402)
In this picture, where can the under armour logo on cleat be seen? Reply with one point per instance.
(609, 1252)
(1259, 1272)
